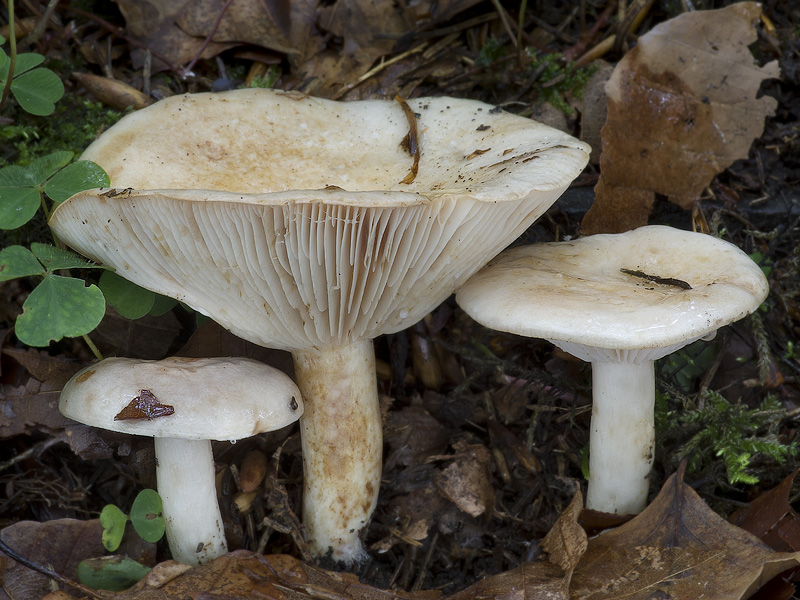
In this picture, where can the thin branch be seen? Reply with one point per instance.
(17, 557)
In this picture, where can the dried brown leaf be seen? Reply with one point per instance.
(28, 407)
(682, 107)
(566, 542)
(530, 581)
(466, 481)
(113, 92)
(153, 23)
(279, 25)
(59, 545)
(677, 548)
(772, 519)
(245, 575)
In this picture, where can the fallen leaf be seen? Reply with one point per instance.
(544, 580)
(153, 24)
(466, 480)
(682, 107)
(113, 92)
(530, 581)
(59, 545)
(144, 406)
(771, 518)
(243, 575)
(566, 542)
(678, 548)
(412, 435)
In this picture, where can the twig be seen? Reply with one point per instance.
(423, 570)
(13, 554)
(377, 69)
(41, 25)
(505, 21)
(185, 72)
(40, 446)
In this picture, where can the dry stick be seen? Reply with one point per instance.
(14, 555)
(41, 25)
(504, 20)
(579, 48)
(377, 69)
(187, 70)
(423, 569)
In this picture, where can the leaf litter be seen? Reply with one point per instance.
(683, 105)
(443, 490)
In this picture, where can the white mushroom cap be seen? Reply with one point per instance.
(576, 295)
(212, 398)
(619, 301)
(291, 227)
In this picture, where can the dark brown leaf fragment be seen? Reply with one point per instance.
(144, 406)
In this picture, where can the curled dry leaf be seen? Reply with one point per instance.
(771, 518)
(243, 574)
(60, 545)
(113, 92)
(682, 107)
(677, 548)
(466, 481)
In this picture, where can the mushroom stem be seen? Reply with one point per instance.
(342, 444)
(622, 437)
(186, 484)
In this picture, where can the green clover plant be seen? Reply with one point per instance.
(118, 573)
(146, 518)
(36, 89)
(60, 305)
(111, 573)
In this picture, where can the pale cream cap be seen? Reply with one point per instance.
(210, 398)
(576, 294)
(291, 227)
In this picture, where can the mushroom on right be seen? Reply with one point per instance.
(619, 301)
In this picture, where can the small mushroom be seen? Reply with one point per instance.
(314, 226)
(184, 403)
(619, 301)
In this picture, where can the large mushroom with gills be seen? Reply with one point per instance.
(620, 302)
(184, 403)
(315, 226)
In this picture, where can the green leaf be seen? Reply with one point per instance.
(16, 176)
(55, 258)
(18, 205)
(113, 521)
(37, 91)
(42, 169)
(25, 62)
(112, 573)
(130, 300)
(16, 261)
(59, 307)
(162, 305)
(146, 515)
(79, 176)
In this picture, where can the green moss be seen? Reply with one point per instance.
(556, 79)
(74, 125)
